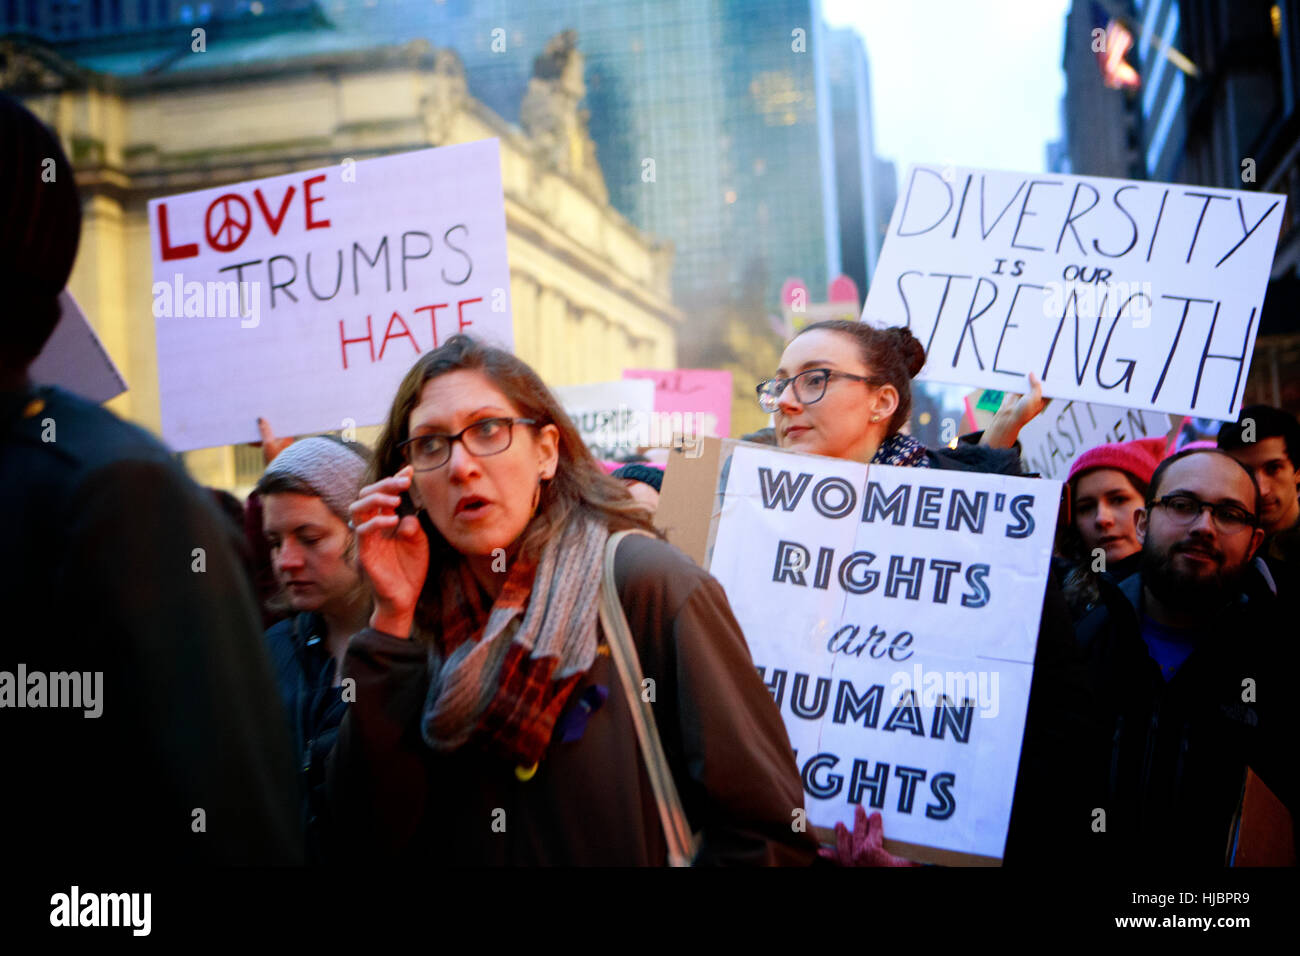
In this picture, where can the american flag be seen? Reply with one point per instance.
(1110, 46)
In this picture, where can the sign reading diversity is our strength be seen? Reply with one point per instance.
(893, 614)
(305, 298)
(1116, 292)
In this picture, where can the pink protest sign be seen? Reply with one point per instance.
(702, 393)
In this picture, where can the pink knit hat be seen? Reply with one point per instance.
(1138, 458)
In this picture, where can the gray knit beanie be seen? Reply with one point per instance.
(333, 470)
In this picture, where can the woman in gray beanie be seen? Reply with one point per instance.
(305, 493)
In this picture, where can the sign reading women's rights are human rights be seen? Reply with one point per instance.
(893, 614)
(1117, 292)
(305, 298)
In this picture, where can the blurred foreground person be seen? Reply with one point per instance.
(305, 493)
(1108, 487)
(140, 717)
(499, 717)
(1190, 674)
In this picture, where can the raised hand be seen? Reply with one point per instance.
(393, 550)
(1016, 412)
(271, 446)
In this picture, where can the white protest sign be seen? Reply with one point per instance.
(893, 613)
(612, 417)
(1064, 430)
(75, 359)
(305, 298)
(1117, 292)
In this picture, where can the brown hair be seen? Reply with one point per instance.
(1079, 582)
(580, 484)
(894, 356)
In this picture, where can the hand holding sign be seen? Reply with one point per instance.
(393, 550)
(1016, 412)
(271, 446)
(865, 846)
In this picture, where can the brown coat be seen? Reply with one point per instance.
(590, 801)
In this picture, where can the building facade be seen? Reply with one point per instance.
(590, 292)
(1102, 128)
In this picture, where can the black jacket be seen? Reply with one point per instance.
(114, 562)
(314, 707)
(1179, 750)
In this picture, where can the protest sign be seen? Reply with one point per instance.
(893, 614)
(612, 417)
(1117, 292)
(306, 297)
(73, 357)
(1064, 430)
(696, 401)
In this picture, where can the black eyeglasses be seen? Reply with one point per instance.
(488, 437)
(809, 387)
(1185, 509)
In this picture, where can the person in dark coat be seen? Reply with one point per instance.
(1189, 671)
(126, 586)
(305, 493)
(490, 725)
(843, 390)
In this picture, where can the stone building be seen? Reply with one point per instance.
(153, 115)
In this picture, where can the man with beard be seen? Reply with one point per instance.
(1188, 670)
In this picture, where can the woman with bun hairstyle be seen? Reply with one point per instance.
(843, 390)
(491, 725)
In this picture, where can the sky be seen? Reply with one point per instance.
(968, 82)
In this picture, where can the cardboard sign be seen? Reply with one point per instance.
(1051, 442)
(305, 298)
(697, 401)
(74, 359)
(893, 615)
(612, 417)
(1117, 292)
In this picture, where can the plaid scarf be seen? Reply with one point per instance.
(903, 450)
(500, 675)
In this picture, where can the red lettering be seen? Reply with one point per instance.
(274, 221)
(170, 252)
(405, 333)
(460, 315)
(368, 338)
(308, 200)
(433, 318)
(229, 227)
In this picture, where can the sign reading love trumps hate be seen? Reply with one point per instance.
(305, 298)
(1117, 292)
(893, 614)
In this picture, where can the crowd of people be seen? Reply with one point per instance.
(470, 645)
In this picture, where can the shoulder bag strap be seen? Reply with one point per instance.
(623, 652)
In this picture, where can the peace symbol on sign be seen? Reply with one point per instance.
(233, 229)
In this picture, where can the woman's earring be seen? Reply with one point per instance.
(875, 418)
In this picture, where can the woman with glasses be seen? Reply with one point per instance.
(844, 390)
(491, 724)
